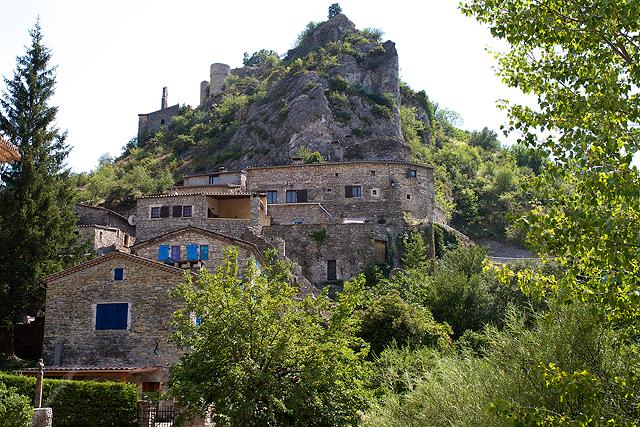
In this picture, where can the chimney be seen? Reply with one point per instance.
(164, 98)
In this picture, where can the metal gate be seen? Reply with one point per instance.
(160, 414)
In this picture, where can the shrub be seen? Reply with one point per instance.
(15, 409)
(82, 403)
(387, 319)
(319, 236)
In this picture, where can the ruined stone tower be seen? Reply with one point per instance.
(152, 122)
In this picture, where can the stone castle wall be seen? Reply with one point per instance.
(153, 122)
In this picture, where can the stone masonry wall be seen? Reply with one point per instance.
(152, 122)
(147, 227)
(103, 238)
(351, 245)
(96, 215)
(217, 247)
(389, 194)
(70, 316)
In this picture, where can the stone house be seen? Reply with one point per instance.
(104, 229)
(330, 220)
(110, 317)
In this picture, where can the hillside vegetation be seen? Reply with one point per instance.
(328, 87)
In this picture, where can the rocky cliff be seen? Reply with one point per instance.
(337, 93)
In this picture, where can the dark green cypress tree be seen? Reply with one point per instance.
(37, 219)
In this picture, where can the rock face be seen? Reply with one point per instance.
(336, 93)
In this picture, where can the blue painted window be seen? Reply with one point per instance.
(272, 197)
(175, 253)
(111, 316)
(204, 252)
(198, 321)
(192, 252)
(118, 273)
(163, 252)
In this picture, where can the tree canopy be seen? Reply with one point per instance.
(37, 220)
(261, 356)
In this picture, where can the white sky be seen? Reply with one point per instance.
(115, 56)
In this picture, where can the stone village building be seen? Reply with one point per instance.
(110, 317)
(8, 151)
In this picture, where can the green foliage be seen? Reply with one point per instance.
(582, 63)
(319, 236)
(261, 356)
(15, 410)
(388, 318)
(334, 9)
(309, 156)
(571, 367)
(37, 219)
(260, 58)
(414, 251)
(82, 403)
(373, 34)
(310, 28)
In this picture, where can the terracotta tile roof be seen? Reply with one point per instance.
(115, 254)
(88, 369)
(8, 151)
(200, 193)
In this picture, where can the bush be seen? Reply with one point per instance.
(15, 410)
(387, 319)
(82, 403)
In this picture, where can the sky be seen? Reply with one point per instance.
(114, 57)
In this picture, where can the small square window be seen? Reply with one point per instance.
(155, 212)
(352, 191)
(187, 211)
(412, 173)
(374, 192)
(408, 196)
(118, 273)
(336, 173)
(373, 173)
(328, 190)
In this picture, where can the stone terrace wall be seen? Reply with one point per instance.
(70, 319)
(351, 245)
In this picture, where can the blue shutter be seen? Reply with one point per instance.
(111, 316)
(118, 273)
(204, 252)
(192, 252)
(175, 253)
(163, 252)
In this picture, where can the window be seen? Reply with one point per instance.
(374, 192)
(204, 252)
(164, 211)
(192, 252)
(412, 173)
(328, 190)
(118, 273)
(408, 196)
(336, 173)
(331, 270)
(213, 179)
(272, 197)
(373, 173)
(112, 316)
(162, 121)
(175, 253)
(352, 191)
(177, 211)
(187, 211)
(296, 196)
(155, 212)
(163, 252)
